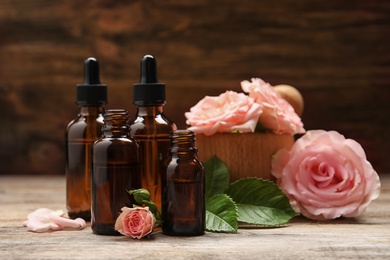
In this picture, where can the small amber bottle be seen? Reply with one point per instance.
(151, 127)
(183, 182)
(80, 134)
(115, 170)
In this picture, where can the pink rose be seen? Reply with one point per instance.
(230, 111)
(135, 222)
(326, 176)
(278, 115)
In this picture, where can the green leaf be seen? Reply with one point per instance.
(260, 202)
(152, 206)
(221, 214)
(140, 195)
(217, 177)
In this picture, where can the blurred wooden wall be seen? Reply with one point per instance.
(335, 52)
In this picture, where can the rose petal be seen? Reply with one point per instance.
(44, 220)
(78, 223)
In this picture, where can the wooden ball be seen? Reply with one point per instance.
(292, 96)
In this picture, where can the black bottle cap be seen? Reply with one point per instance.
(148, 92)
(91, 92)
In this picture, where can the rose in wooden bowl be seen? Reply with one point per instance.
(246, 130)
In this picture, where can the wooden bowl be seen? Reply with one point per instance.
(245, 154)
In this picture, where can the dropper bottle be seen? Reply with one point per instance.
(151, 127)
(80, 134)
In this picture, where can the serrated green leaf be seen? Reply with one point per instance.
(221, 214)
(217, 177)
(260, 202)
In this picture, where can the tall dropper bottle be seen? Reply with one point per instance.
(151, 127)
(80, 134)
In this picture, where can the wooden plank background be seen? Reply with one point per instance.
(335, 52)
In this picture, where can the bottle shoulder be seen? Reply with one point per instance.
(151, 125)
(158, 119)
(184, 158)
(80, 120)
(115, 145)
(115, 140)
(78, 127)
(184, 169)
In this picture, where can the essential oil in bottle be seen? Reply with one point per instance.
(183, 183)
(115, 170)
(80, 134)
(151, 127)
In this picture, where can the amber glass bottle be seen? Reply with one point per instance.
(151, 127)
(115, 170)
(80, 134)
(183, 182)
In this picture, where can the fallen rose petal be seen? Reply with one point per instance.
(68, 223)
(40, 227)
(44, 220)
(42, 214)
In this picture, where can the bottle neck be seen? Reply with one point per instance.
(149, 110)
(183, 143)
(115, 123)
(91, 110)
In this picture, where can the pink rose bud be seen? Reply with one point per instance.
(135, 222)
(326, 176)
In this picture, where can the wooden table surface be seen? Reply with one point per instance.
(366, 237)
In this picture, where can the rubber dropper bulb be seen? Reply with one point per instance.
(148, 92)
(91, 72)
(148, 70)
(91, 91)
